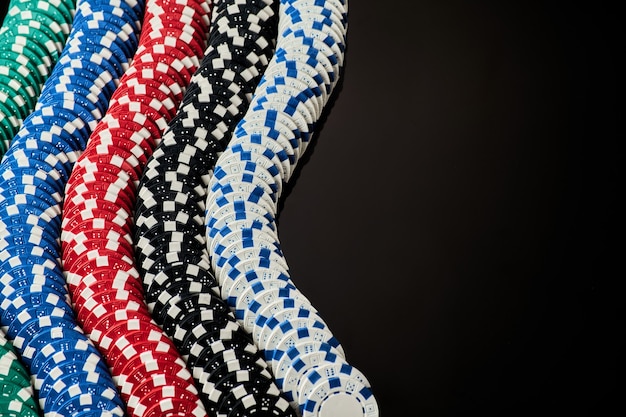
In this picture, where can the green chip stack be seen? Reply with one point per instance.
(32, 36)
(16, 394)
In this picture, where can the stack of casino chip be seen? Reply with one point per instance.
(17, 397)
(171, 252)
(68, 372)
(304, 356)
(97, 222)
(32, 36)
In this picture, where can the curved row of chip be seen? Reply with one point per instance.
(97, 240)
(170, 246)
(32, 36)
(305, 357)
(68, 371)
(207, 245)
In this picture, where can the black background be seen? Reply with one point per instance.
(456, 219)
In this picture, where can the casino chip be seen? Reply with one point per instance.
(74, 72)
(98, 241)
(32, 36)
(262, 154)
(170, 167)
(17, 393)
(169, 213)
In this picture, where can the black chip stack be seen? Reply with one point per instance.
(170, 223)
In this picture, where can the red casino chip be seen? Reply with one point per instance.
(190, 33)
(137, 144)
(93, 174)
(78, 222)
(170, 45)
(192, 8)
(162, 74)
(134, 114)
(131, 123)
(105, 163)
(114, 279)
(173, 407)
(114, 150)
(138, 84)
(156, 380)
(137, 370)
(114, 129)
(162, 345)
(159, 395)
(170, 386)
(176, 13)
(149, 335)
(84, 212)
(147, 114)
(121, 196)
(175, 26)
(75, 241)
(104, 336)
(148, 95)
(110, 318)
(123, 328)
(93, 241)
(104, 297)
(142, 366)
(100, 190)
(104, 273)
(129, 285)
(177, 60)
(89, 262)
(91, 312)
(159, 63)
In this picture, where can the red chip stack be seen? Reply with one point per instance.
(97, 246)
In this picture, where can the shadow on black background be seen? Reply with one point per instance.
(456, 220)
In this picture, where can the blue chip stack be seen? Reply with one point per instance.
(67, 370)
